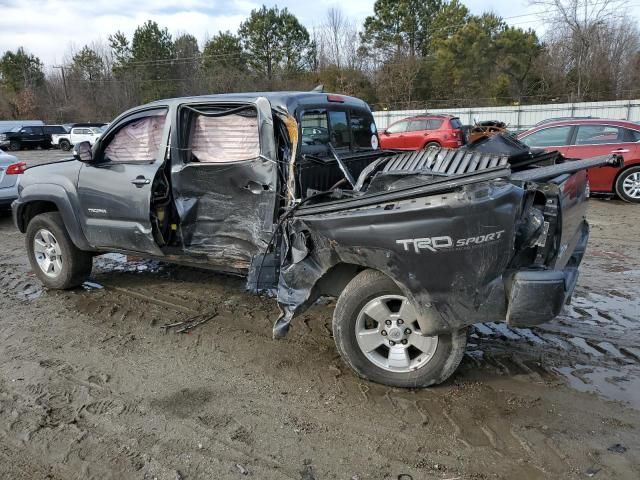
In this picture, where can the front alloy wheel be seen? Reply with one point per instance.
(48, 253)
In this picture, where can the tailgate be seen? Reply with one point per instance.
(572, 215)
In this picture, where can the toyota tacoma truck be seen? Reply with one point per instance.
(416, 246)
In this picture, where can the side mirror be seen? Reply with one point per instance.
(82, 152)
(384, 132)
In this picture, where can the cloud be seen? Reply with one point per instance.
(51, 28)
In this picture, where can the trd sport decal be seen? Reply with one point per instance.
(436, 244)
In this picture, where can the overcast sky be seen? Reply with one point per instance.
(49, 28)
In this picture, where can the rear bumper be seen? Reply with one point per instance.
(7, 196)
(537, 296)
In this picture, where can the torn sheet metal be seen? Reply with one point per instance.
(446, 251)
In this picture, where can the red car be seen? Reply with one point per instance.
(590, 138)
(423, 131)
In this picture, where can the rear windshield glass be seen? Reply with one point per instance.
(362, 129)
(352, 129)
(456, 123)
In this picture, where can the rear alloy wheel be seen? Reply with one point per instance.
(628, 185)
(432, 145)
(377, 334)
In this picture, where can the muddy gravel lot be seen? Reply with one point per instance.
(93, 387)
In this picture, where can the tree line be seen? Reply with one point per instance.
(407, 54)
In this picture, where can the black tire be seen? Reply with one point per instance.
(14, 145)
(65, 145)
(76, 264)
(627, 175)
(432, 145)
(365, 287)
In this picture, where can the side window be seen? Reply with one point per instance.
(597, 134)
(228, 138)
(136, 141)
(417, 125)
(339, 129)
(398, 127)
(548, 137)
(315, 127)
(28, 130)
(631, 135)
(435, 124)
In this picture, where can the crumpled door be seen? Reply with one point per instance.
(224, 177)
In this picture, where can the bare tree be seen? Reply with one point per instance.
(338, 41)
(578, 24)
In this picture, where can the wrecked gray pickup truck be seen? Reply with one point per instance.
(291, 190)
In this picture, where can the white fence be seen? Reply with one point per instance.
(524, 116)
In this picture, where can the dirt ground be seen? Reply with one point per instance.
(91, 386)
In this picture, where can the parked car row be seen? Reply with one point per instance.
(574, 137)
(47, 136)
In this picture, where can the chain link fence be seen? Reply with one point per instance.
(522, 117)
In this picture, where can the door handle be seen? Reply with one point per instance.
(140, 181)
(620, 150)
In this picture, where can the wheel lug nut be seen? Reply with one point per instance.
(392, 343)
(387, 322)
(383, 333)
(404, 342)
(407, 331)
(400, 321)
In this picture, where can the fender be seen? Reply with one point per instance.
(60, 197)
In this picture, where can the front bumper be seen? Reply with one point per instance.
(537, 296)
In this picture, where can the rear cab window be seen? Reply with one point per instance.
(345, 129)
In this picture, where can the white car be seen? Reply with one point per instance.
(10, 169)
(62, 140)
(77, 135)
(84, 134)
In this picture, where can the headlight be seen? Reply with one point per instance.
(3, 136)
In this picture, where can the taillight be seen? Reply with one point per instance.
(335, 98)
(16, 168)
